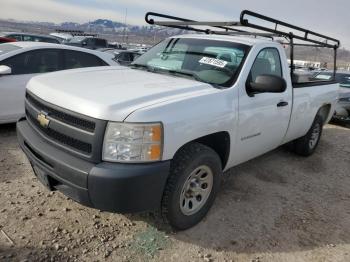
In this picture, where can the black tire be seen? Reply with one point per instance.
(303, 146)
(187, 160)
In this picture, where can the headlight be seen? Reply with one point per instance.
(126, 142)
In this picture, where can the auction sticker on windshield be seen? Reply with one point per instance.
(213, 62)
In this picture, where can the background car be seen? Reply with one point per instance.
(123, 57)
(127, 57)
(116, 45)
(20, 61)
(110, 50)
(31, 37)
(88, 42)
(342, 110)
(62, 37)
(6, 40)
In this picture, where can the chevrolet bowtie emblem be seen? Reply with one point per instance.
(43, 121)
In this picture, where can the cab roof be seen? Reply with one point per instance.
(250, 41)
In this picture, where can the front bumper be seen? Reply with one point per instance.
(114, 187)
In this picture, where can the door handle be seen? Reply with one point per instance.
(282, 103)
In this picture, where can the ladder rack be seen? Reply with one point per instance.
(254, 24)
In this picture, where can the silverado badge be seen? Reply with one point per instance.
(42, 119)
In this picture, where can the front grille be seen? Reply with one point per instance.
(61, 138)
(75, 133)
(61, 116)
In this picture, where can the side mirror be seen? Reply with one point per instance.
(268, 84)
(5, 70)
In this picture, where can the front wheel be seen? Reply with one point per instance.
(307, 144)
(192, 186)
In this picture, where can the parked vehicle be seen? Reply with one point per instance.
(113, 51)
(127, 57)
(159, 134)
(31, 37)
(62, 37)
(342, 110)
(123, 57)
(116, 45)
(88, 42)
(20, 61)
(6, 40)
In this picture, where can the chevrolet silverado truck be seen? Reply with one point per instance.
(159, 134)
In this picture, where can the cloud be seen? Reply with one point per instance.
(177, 8)
(319, 15)
(53, 11)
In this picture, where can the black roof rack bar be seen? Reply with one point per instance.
(198, 23)
(306, 33)
(299, 33)
(183, 23)
(242, 33)
(187, 24)
(307, 45)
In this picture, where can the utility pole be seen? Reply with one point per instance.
(125, 27)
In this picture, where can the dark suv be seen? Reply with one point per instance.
(88, 42)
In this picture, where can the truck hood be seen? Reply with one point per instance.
(111, 93)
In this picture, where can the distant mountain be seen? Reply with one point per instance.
(98, 26)
(101, 26)
(109, 26)
(69, 25)
(106, 23)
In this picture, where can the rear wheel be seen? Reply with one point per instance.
(307, 144)
(192, 186)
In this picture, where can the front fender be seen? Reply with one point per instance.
(187, 119)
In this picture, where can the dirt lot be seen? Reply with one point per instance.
(279, 207)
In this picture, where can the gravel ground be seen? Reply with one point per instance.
(278, 207)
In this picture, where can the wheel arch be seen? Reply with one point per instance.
(324, 112)
(219, 142)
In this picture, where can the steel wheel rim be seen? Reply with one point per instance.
(196, 190)
(315, 136)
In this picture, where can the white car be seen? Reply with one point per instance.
(160, 134)
(20, 61)
(342, 110)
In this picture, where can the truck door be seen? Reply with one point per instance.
(263, 117)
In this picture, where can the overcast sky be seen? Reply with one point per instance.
(329, 17)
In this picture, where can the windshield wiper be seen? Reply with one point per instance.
(188, 74)
(172, 72)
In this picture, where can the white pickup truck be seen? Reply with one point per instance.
(160, 134)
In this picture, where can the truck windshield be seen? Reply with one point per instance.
(209, 61)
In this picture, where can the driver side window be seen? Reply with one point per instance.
(268, 62)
